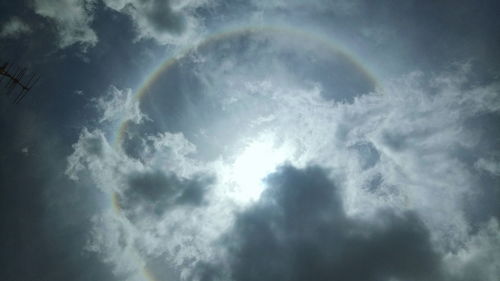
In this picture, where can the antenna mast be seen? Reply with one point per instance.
(16, 82)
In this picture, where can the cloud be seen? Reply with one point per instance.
(118, 106)
(72, 19)
(402, 160)
(409, 146)
(480, 256)
(159, 189)
(340, 6)
(151, 202)
(489, 166)
(299, 231)
(94, 156)
(112, 237)
(153, 193)
(14, 28)
(167, 22)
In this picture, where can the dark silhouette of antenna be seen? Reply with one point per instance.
(16, 82)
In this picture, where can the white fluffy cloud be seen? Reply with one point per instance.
(167, 22)
(128, 237)
(14, 28)
(118, 105)
(72, 18)
(126, 243)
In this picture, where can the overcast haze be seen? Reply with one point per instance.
(251, 140)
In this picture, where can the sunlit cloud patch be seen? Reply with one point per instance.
(192, 179)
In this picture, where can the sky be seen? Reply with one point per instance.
(251, 140)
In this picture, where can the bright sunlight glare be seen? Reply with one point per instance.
(258, 158)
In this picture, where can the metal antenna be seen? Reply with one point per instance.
(16, 82)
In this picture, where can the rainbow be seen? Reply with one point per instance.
(221, 35)
(227, 33)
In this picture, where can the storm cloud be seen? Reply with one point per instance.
(299, 231)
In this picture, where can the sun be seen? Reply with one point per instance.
(258, 158)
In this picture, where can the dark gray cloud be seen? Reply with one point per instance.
(299, 231)
(155, 192)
